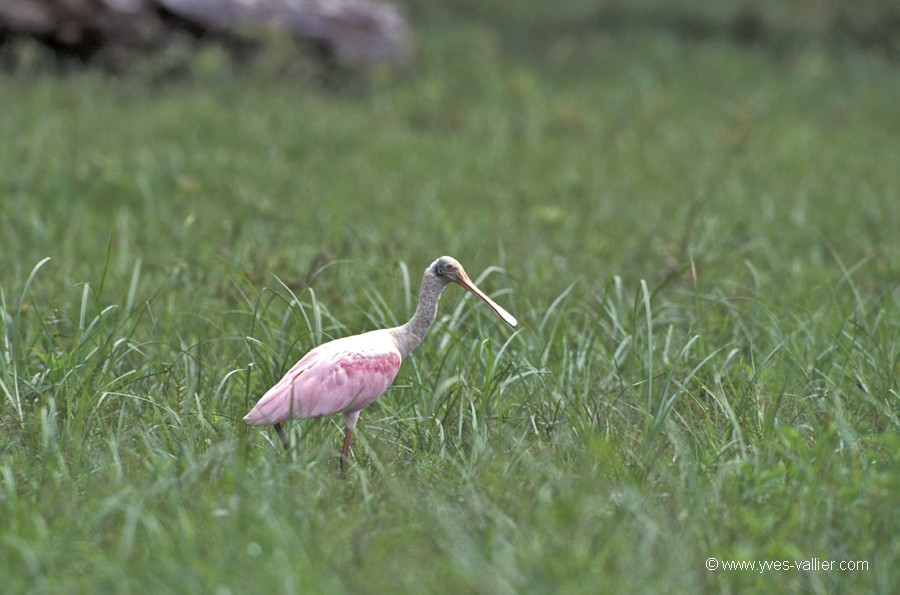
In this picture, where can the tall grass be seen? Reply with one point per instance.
(698, 241)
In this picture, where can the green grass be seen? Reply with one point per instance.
(699, 242)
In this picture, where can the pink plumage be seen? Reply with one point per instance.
(342, 376)
(346, 375)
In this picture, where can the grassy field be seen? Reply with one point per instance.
(700, 242)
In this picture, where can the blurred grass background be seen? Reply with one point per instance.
(690, 207)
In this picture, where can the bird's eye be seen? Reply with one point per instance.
(450, 268)
(439, 270)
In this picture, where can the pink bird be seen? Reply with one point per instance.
(346, 375)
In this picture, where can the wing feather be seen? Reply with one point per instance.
(338, 377)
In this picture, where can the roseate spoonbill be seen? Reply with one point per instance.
(346, 375)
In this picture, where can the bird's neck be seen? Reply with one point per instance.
(412, 333)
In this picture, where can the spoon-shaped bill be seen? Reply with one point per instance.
(508, 318)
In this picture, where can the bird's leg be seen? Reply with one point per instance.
(345, 450)
(350, 418)
(284, 439)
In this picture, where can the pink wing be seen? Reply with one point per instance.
(333, 378)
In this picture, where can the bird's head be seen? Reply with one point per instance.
(448, 270)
